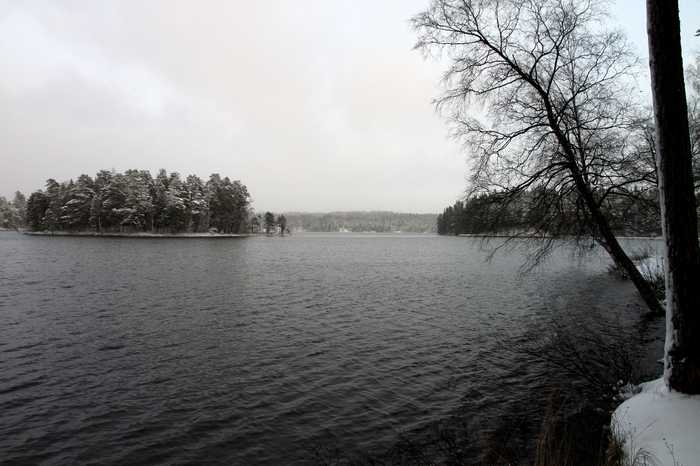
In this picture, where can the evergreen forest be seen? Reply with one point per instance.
(135, 201)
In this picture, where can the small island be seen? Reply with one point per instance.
(136, 204)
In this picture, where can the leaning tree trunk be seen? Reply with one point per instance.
(604, 234)
(608, 240)
(677, 198)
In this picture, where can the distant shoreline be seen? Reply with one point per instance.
(91, 234)
(476, 235)
(143, 235)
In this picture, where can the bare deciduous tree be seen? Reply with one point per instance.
(559, 128)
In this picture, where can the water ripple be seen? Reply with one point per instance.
(257, 351)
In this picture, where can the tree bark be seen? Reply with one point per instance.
(677, 198)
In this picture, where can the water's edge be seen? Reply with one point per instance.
(138, 235)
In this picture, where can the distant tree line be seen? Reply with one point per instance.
(12, 212)
(135, 201)
(637, 214)
(373, 221)
(269, 224)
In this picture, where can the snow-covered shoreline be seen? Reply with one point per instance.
(659, 426)
(651, 267)
(137, 235)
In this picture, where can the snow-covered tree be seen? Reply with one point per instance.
(135, 201)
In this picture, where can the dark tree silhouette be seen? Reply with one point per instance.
(559, 121)
(677, 197)
(282, 222)
(269, 222)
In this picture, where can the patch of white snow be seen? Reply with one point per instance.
(651, 267)
(659, 425)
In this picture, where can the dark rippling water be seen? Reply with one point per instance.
(269, 350)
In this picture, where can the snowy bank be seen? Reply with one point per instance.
(651, 267)
(659, 427)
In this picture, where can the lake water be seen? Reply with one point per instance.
(274, 350)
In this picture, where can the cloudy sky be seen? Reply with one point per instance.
(315, 105)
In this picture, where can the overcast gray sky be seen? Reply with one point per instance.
(315, 105)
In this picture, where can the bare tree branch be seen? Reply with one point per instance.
(561, 131)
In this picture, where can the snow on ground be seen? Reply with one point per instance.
(659, 427)
(651, 267)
